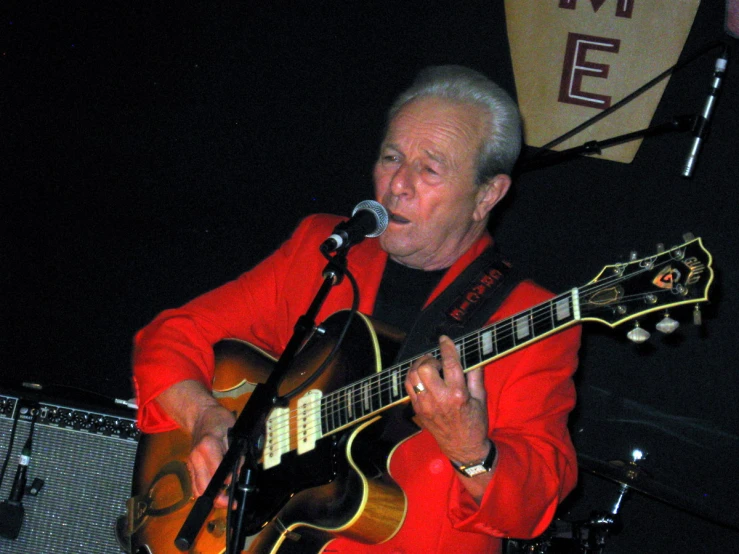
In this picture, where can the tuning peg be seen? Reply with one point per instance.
(637, 334)
(660, 247)
(667, 325)
(697, 316)
(687, 237)
(633, 256)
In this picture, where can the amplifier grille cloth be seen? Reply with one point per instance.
(87, 482)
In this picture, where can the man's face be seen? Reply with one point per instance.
(425, 178)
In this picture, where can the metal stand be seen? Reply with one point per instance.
(248, 433)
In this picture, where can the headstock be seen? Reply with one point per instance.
(625, 291)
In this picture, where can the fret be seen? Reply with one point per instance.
(576, 303)
(543, 325)
(331, 415)
(358, 409)
(344, 407)
(392, 386)
(552, 311)
(506, 340)
(523, 328)
(563, 311)
(396, 383)
(471, 356)
(487, 342)
(349, 403)
(375, 387)
(384, 391)
(342, 416)
(365, 397)
(374, 393)
(339, 415)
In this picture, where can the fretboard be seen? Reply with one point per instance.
(373, 394)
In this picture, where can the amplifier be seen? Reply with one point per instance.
(78, 477)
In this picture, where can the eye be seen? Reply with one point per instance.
(430, 170)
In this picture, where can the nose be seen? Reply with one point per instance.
(402, 181)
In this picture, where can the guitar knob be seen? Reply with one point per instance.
(637, 334)
(667, 325)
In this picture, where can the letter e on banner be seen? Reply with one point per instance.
(574, 58)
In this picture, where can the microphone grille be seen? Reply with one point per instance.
(380, 214)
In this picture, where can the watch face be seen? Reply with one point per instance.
(475, 470)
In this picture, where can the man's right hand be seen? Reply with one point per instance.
(192, 406)
(209, 445)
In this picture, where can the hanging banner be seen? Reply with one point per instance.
(572, 59)
(731, 25)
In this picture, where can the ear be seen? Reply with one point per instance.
(490, 193)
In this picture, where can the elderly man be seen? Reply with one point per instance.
(491, 457)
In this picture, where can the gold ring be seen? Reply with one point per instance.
(419, 388)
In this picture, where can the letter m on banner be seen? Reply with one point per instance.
(574, 58)
(623, 7)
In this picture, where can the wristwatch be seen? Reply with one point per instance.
(476, 468)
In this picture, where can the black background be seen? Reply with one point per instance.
(152, 151)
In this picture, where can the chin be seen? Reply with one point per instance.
(394, 246)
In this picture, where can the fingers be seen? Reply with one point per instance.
(453, 371)
(429, 377)
(203, 462)
(210, 443)
(476, 385)
(421, 374)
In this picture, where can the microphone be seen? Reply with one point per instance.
(369, 219)
(11, 510)
(700, 127)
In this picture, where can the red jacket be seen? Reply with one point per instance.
(530, 393)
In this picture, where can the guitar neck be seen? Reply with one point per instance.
(620, 292)
(373, 394)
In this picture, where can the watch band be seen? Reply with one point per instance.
(476, 468)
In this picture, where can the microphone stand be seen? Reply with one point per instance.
(679, 124)
(247, 434)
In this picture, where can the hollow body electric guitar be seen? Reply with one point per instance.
(323, 472)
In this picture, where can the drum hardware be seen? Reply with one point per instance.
(630, 475)
(588, 536)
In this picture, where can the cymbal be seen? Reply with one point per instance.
(635, 477)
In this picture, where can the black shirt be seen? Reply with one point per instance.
(403, 292)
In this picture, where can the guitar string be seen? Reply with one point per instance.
(333, 405)
(393, 377)
(364, 394)
(397, 373)
(509, 324)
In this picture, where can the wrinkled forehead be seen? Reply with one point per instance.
(438, 123)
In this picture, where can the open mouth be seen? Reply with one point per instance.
(395, 218)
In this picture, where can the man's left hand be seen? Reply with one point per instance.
(450, 404)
